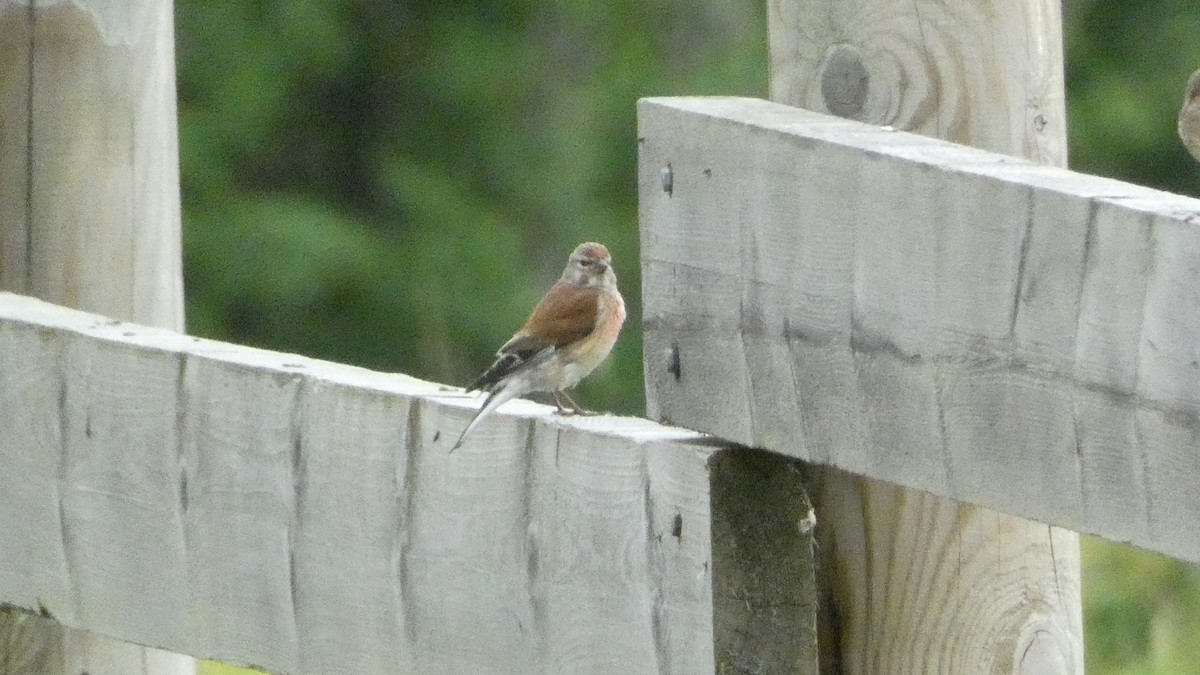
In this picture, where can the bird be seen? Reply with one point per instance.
(570, 332)
(1189, 116)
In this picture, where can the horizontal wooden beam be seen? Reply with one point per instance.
(302, 516)
(1016, 336)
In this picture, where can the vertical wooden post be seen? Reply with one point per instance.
(764, 585)
(987, 73)
(89, 214)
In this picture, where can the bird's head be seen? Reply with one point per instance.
(590, 266)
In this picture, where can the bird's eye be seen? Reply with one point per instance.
(585, 263)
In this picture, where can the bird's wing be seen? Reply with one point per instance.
(566, 314)
(520, 352)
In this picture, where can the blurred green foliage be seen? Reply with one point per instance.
(393, 184)
(1127, 64)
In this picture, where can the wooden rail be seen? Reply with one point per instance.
(89, 216)
(969, 324)
(988, 74)
(302, 516)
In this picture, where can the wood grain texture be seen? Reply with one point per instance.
(764, 565)
(940, 588)
(118, 489)
(985, 73)
(969, 324)
(354, 518)
(89, 216)
(300, 516)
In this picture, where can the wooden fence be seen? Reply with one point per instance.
(989, 74)
(299, 516)
(975, 328)
(89, 215)
(973, 325)
(302, 516)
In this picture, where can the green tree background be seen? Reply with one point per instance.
(393, 184)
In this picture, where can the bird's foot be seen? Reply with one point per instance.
(571, 412)
(573, 408)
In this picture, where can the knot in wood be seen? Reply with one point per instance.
(844, 82)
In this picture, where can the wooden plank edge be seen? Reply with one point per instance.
(877, 141)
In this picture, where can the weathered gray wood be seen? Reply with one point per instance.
(855, 289)
(989, 74)
(89, 217)
(117, 479)
(238, 444)
(89, 160)
(764, 568)
(986, 73)
(301, 516)
(354, 519)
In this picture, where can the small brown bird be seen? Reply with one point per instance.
(570, 332)
(1189, 116)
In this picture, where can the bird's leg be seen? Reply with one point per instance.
(558, 402)
(575, 409)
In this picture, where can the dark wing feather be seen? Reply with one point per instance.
(510, 359)
(565, 315)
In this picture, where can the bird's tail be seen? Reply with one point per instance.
(495, 399)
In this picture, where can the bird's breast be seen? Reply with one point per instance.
(582, 358)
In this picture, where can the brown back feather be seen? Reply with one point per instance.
(572, 316)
